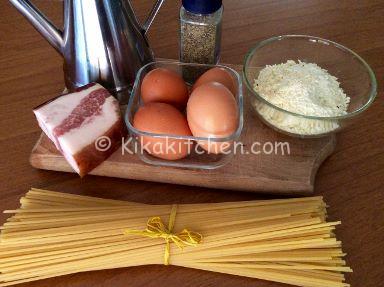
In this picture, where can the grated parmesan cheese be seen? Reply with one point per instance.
(302, 88)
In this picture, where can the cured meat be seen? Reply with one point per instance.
(86, 126)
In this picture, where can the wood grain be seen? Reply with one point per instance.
(351, 179)
(289, 170)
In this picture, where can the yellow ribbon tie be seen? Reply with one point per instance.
(156, 229)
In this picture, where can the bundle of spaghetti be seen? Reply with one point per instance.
(286, 240)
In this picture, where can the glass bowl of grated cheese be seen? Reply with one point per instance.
(307, 87)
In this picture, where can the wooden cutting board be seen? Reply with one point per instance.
(268, 173)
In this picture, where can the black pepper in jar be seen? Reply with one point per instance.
(200, 34)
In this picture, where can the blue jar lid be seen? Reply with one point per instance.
(202, 6)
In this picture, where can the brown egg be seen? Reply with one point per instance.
(219, 75)
(165, 86)
(161, 118)
(212, 112)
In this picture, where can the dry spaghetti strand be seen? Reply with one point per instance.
(285, 240)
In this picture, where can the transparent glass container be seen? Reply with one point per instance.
(200, 36)
(354, 74)
(198, 158)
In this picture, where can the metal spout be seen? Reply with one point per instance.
(50, 32)
(102, 41)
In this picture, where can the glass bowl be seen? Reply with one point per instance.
(198, 158)
(354, 74)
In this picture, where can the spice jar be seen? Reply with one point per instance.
(200, 31)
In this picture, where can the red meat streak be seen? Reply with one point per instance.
(88, 107)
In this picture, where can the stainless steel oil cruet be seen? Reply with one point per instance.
(102, 41)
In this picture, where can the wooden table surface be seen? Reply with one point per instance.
(351, 179)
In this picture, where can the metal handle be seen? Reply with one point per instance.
(152, 15)
(51, 33)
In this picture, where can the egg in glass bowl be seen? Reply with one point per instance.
(215, 121)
